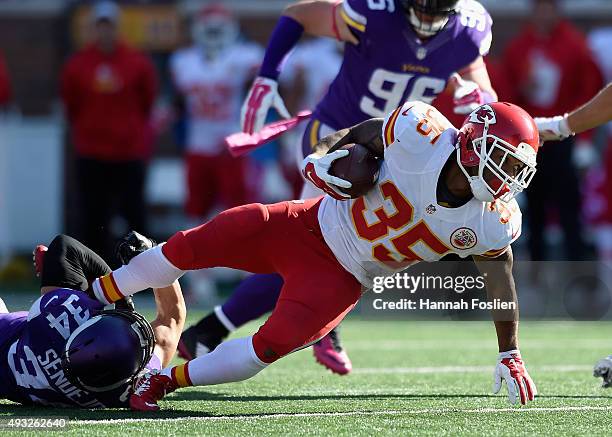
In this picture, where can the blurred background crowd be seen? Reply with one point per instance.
(143, 148)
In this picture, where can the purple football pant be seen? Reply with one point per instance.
(254, 297)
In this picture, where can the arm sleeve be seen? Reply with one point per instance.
(354, 14)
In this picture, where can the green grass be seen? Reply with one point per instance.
(406, 381)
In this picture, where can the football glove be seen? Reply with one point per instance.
(510, 368)
(553, 128)
(315, 168)
(603, 369)
(262, 96)
(467, 96)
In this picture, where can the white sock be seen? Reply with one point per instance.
(233, 360)
(149, 269)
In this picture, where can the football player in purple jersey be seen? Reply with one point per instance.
(68, 350)
(395, 50)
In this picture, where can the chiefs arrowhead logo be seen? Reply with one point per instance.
(483, 114)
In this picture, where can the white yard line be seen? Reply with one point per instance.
(343, 414)
(466, 369)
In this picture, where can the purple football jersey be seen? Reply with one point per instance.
(391, 65)
(30, 366)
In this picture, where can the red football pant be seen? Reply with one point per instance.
(214, 178)
(282, 238)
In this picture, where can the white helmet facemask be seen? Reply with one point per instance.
(427, 28)
(509, 186)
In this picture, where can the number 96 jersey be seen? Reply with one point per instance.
(399, 222)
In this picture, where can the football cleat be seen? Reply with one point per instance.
(603, 369)
(131, 245)
(329, 353)
(149, 389)
(38, 258)
(193, 344)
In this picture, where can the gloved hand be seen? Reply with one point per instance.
(510, 368)
(262, 96)
(467, 95)
(315, 168)
(553, 128)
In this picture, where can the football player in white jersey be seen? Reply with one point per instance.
(211, 77)
(440, 190)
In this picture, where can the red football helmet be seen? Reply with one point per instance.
(214, 28)
(502, 140)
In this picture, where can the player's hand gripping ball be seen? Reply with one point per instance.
(360, 167)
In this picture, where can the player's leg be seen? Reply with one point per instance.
(131, 202)
(231, 174)
(255, 296)
(246, 238)
(201, 186)
(305, 312)
(96, 203)
(328, 351)
(70, 264)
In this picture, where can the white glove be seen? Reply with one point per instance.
(467, 96)
(262, 96)
(553, 128)
(603, 368)
(315, 168)
(510, 367)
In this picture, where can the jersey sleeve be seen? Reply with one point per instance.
(413, 127)
(476, 35)
(503, 226)
(355, 14)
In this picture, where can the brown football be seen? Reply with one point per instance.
(360, 167)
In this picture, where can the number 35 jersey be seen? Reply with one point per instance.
(391, 65)
(399, 222)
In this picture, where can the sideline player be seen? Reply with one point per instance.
(67, 350)
(394, 51)
(327, 248)
(211, 77)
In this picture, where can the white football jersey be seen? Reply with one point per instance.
(399, 222)
(213, 91)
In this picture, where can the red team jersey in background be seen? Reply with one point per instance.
(550, 74)
(5, 88)
(108, 100)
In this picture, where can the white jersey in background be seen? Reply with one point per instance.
(318, 61)
(213, 90)
(399, 222)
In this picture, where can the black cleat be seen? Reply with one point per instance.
(131, 245)
(202, 338)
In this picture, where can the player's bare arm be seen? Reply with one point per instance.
(169, 322)
(510, 367)
(500, 285)
(367, 133)
(321, 18)
(595, 112)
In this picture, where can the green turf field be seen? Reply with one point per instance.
(417, 378)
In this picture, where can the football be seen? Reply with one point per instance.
(360, 167)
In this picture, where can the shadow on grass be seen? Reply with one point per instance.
(8, 410)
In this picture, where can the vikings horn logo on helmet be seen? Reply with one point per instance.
(483, 114)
